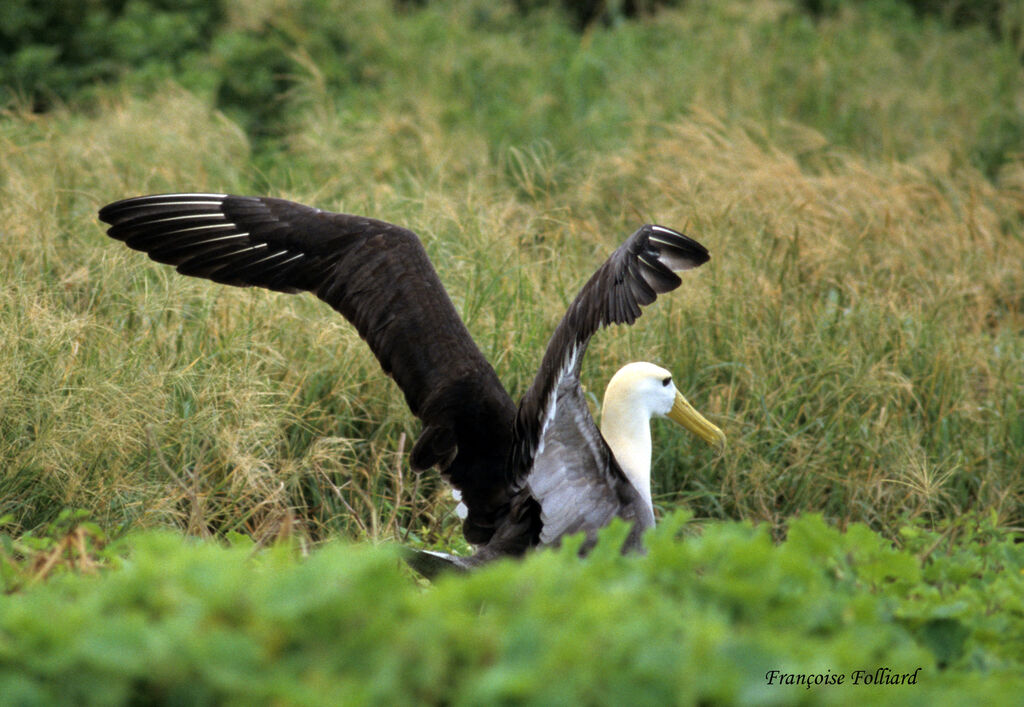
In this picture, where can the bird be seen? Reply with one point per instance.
(525, 475)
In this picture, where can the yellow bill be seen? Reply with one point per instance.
(687, 416)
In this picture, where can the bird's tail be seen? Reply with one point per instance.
(431, 564)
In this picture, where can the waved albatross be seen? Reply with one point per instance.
(525, 475)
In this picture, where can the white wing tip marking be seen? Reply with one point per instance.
(174, 200)
(662, 229)
(211, 227)
(187, 195)
(185, 217)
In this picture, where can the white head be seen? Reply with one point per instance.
(635, 394)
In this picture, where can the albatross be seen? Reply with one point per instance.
(526, 475)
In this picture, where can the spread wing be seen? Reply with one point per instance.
(379, 277)
(557, 449)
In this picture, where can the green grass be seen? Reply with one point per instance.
(857, 333)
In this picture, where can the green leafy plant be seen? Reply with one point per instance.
(705, 616)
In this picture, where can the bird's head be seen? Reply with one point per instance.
(643, 390)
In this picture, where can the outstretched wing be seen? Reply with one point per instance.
(557, 449)
(379, 277)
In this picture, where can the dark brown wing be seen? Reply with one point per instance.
(553, 422)
(379, 277)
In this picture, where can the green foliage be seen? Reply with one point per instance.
(1003, 18)
(69, 543)
(255, 60)
(58, 50)
(701, 619)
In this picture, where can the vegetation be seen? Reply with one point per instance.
(702, 619)
(857, 173)
(857, 333)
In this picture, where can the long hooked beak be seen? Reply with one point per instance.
(687, 416)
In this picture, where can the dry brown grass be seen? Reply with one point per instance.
(857, 333)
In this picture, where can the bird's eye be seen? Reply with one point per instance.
(666, 381)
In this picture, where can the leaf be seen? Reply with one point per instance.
(945, 637)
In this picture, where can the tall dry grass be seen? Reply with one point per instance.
(857, 333)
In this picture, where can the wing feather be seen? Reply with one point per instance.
(379, 277)
(633, 276)
(553, 422)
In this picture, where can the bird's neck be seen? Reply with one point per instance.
(628, 432)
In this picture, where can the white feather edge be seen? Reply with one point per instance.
(551, 408)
